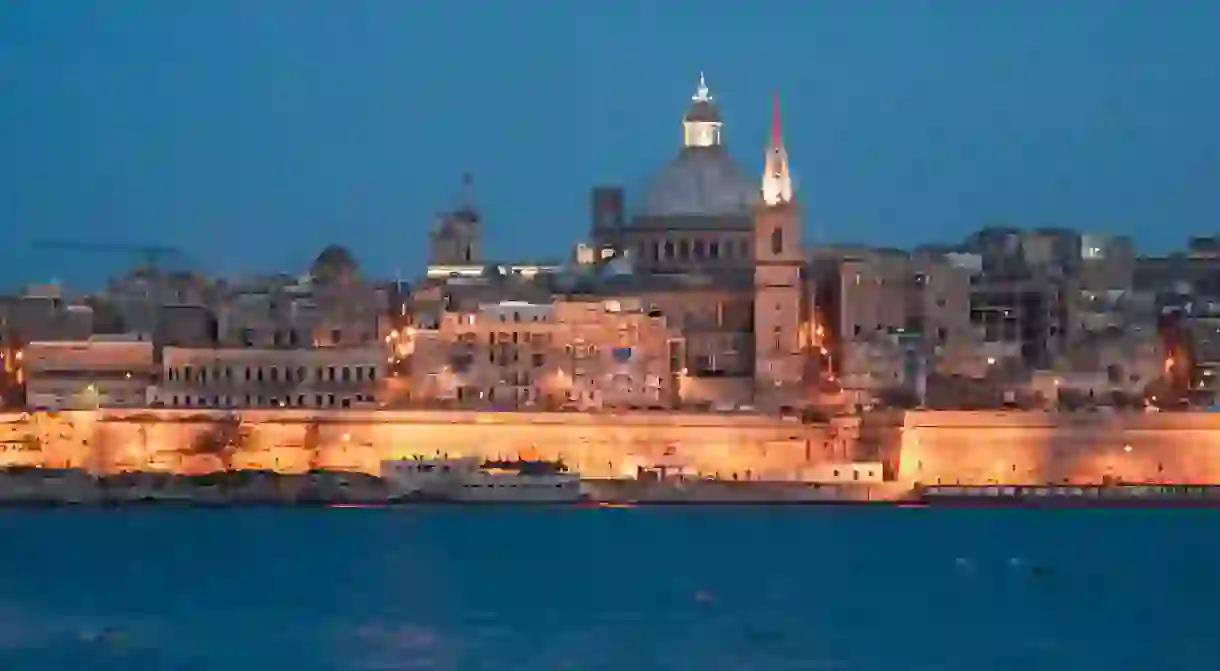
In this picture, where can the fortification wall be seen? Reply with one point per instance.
(296, 440)
(949, 447)
(1044, 447)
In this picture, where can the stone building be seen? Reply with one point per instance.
(267, 377)
(330, 307)
(98, 372)
(891, 318)
(714, 251)
(566, 353)
(317, 341)
(41, 313)
(720, 254)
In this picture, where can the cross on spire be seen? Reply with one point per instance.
(702, 94)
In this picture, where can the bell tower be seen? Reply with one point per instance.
(778, 261)
(455, 239)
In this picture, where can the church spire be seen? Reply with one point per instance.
(776, 180)
(701, 124)
(702, 93)
(777, 133)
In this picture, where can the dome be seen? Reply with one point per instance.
(702, 111)
(334, 261)
(703, 182)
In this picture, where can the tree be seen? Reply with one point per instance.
(222, 439)
(312, 443)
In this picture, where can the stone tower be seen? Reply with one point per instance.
(778, 260)
(455, 240)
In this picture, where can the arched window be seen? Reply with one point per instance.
(777, 241)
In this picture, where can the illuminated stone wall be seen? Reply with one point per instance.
(1037, 447)
(296, 440)
(949, 447)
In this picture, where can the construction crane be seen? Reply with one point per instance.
(152, 256)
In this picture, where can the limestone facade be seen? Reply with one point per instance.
(567, 353)
(318, 377)
(101, 372)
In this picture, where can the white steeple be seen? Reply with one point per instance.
(776, 179)
(702, 94)
(701, 125)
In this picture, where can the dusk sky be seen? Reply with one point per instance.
(252, 133)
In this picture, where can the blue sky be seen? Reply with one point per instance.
(251, 133)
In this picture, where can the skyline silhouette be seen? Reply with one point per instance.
(251, 135)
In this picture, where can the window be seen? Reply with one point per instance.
(713, 250)
(336, 335)
(698, 249)
(669, 250)
(684, 250)
(777, 241)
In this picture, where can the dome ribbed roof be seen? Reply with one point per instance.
(334, 260)
(700, 181)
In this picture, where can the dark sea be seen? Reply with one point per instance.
(609, 589)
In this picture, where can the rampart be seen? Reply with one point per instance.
(921, 446)
(597, 445)
(1044, 447)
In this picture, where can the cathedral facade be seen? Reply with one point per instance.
(709, 248)
(719, 254)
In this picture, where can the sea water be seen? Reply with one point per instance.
(646, 588)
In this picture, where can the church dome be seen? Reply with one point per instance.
(334, 261)
(703, 180)
(704, 111)
(700, 181)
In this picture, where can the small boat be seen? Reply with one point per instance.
(471, 480)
